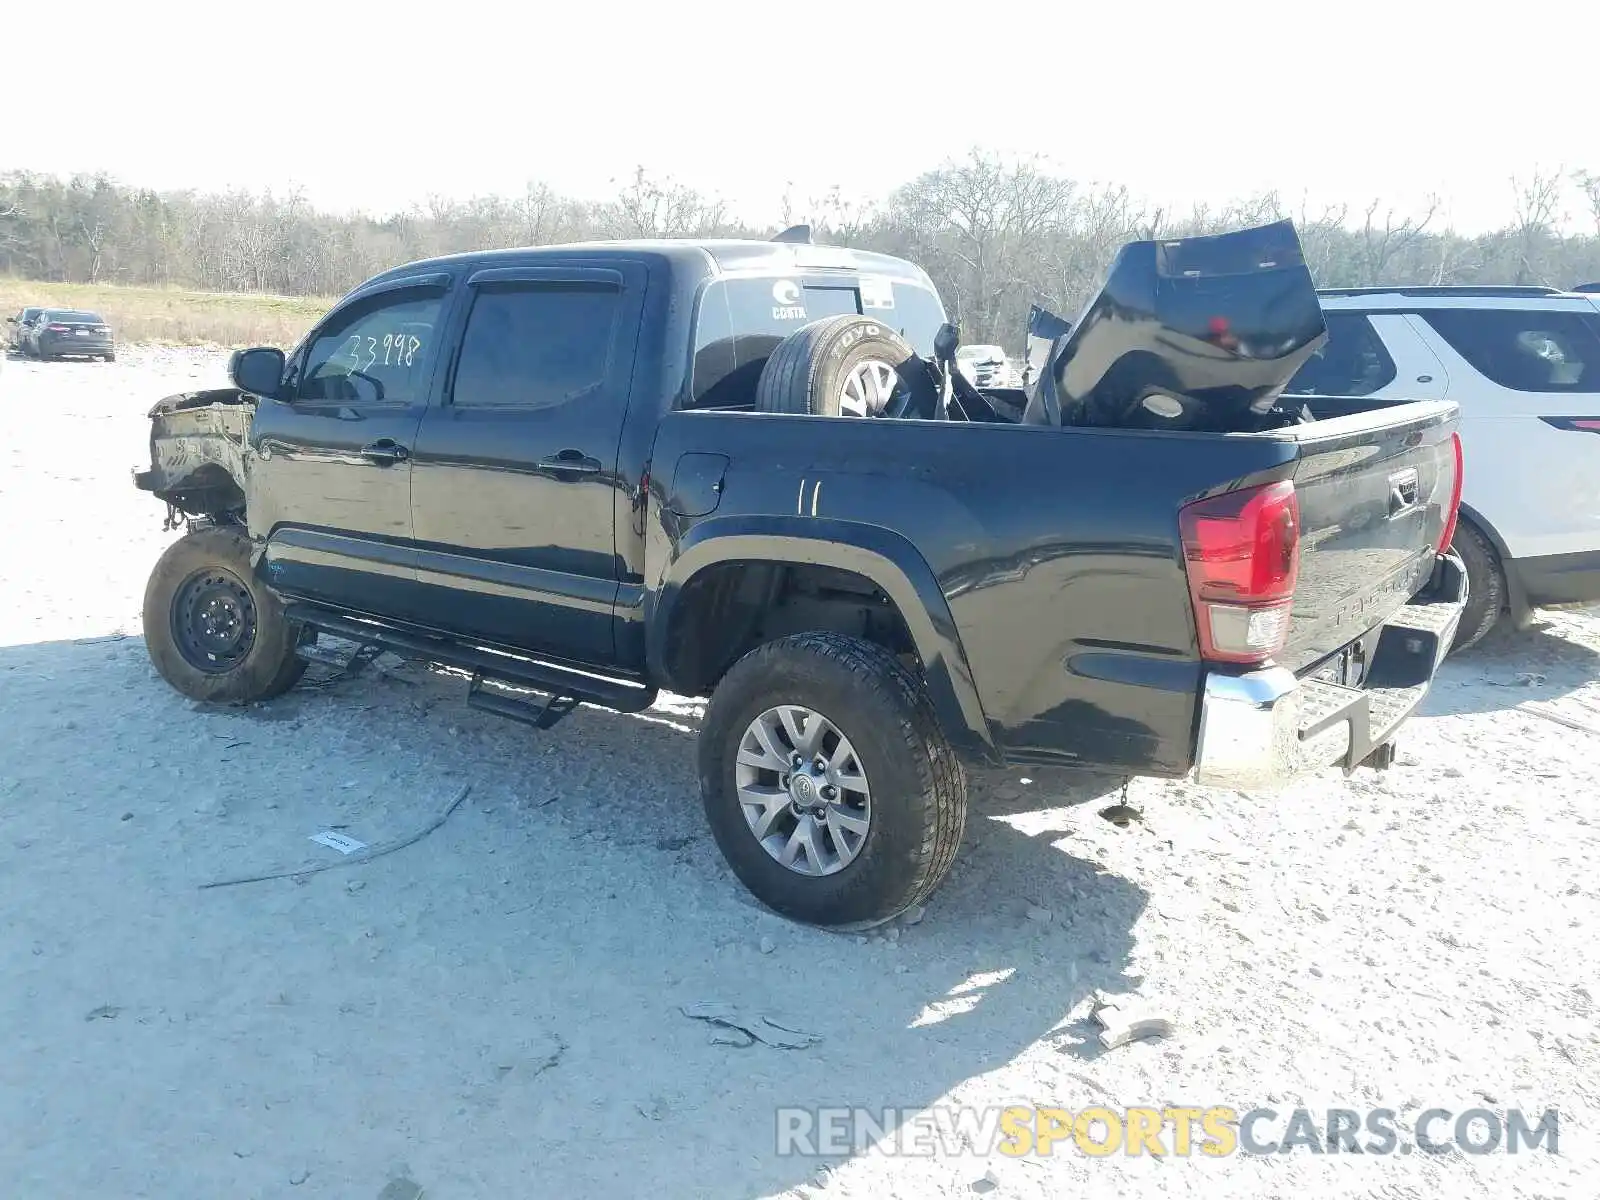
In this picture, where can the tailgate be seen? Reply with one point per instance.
(1374, 490)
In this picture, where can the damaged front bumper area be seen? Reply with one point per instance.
(198, 445)
(1261, 730)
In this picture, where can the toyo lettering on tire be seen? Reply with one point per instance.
(846, 366)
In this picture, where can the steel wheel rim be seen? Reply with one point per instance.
(803, 791)
(868, 388)
(213, 621)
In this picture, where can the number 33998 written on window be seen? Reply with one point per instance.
(364, 351)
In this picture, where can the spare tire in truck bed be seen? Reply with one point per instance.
(850, 366)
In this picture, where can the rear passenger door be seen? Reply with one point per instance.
(515, 487)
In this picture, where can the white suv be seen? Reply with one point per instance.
(1524, 365)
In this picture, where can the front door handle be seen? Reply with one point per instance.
(571, 460)
(385, 452)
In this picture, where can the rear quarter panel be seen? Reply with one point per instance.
(1055, 551)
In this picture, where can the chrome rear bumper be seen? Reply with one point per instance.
(1263, 729)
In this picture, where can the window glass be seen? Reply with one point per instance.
(1528, 350)
(377, 352)
(1352, 362)
(536, 346)
(741, 321)
(714, 360)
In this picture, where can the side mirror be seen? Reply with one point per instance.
(11, 320)
(258, 370)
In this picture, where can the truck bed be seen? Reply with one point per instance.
(1058, 550)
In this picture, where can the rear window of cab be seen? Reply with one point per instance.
(741, 321)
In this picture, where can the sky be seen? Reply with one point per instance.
(377, 106)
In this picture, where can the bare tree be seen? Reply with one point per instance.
(648, 209)
(1537, 217)
(1589, 185)
(541, 214)
(833, 217)
(996, 234)
(981, 223)
(1380, 246)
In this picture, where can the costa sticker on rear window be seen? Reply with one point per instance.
(787, 302)
(876, 292)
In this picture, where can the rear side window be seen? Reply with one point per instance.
(536, 345)
(1352, 362)
(1526, 350)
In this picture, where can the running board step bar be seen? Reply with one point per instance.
(349, 663)
(540, 716)
(565, 688)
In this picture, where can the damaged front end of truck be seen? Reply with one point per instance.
(197, 455)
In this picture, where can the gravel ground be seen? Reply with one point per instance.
(498, 1009)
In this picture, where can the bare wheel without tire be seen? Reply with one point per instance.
(846, 366)
(829, 786)
(214, 632)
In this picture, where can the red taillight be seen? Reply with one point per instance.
(59, 328)
(1242, 551)
(1454, 511)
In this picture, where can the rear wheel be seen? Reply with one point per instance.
(214, 632)
(828, 784)
(1486, 586)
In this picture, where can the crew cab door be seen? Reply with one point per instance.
(331, 487)
(515, 487)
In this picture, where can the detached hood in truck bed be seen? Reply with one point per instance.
(1191, 333)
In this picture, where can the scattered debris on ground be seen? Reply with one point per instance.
(352, 860)
(745, 1029)
(1122, 1019)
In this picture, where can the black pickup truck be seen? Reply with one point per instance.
(585, 473)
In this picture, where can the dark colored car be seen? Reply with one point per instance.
(70, 333)
(17, 327)
(542, 467)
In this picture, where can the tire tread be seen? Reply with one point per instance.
(1486, 586)
(260, 678)
(789, 380)
(940, 800)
